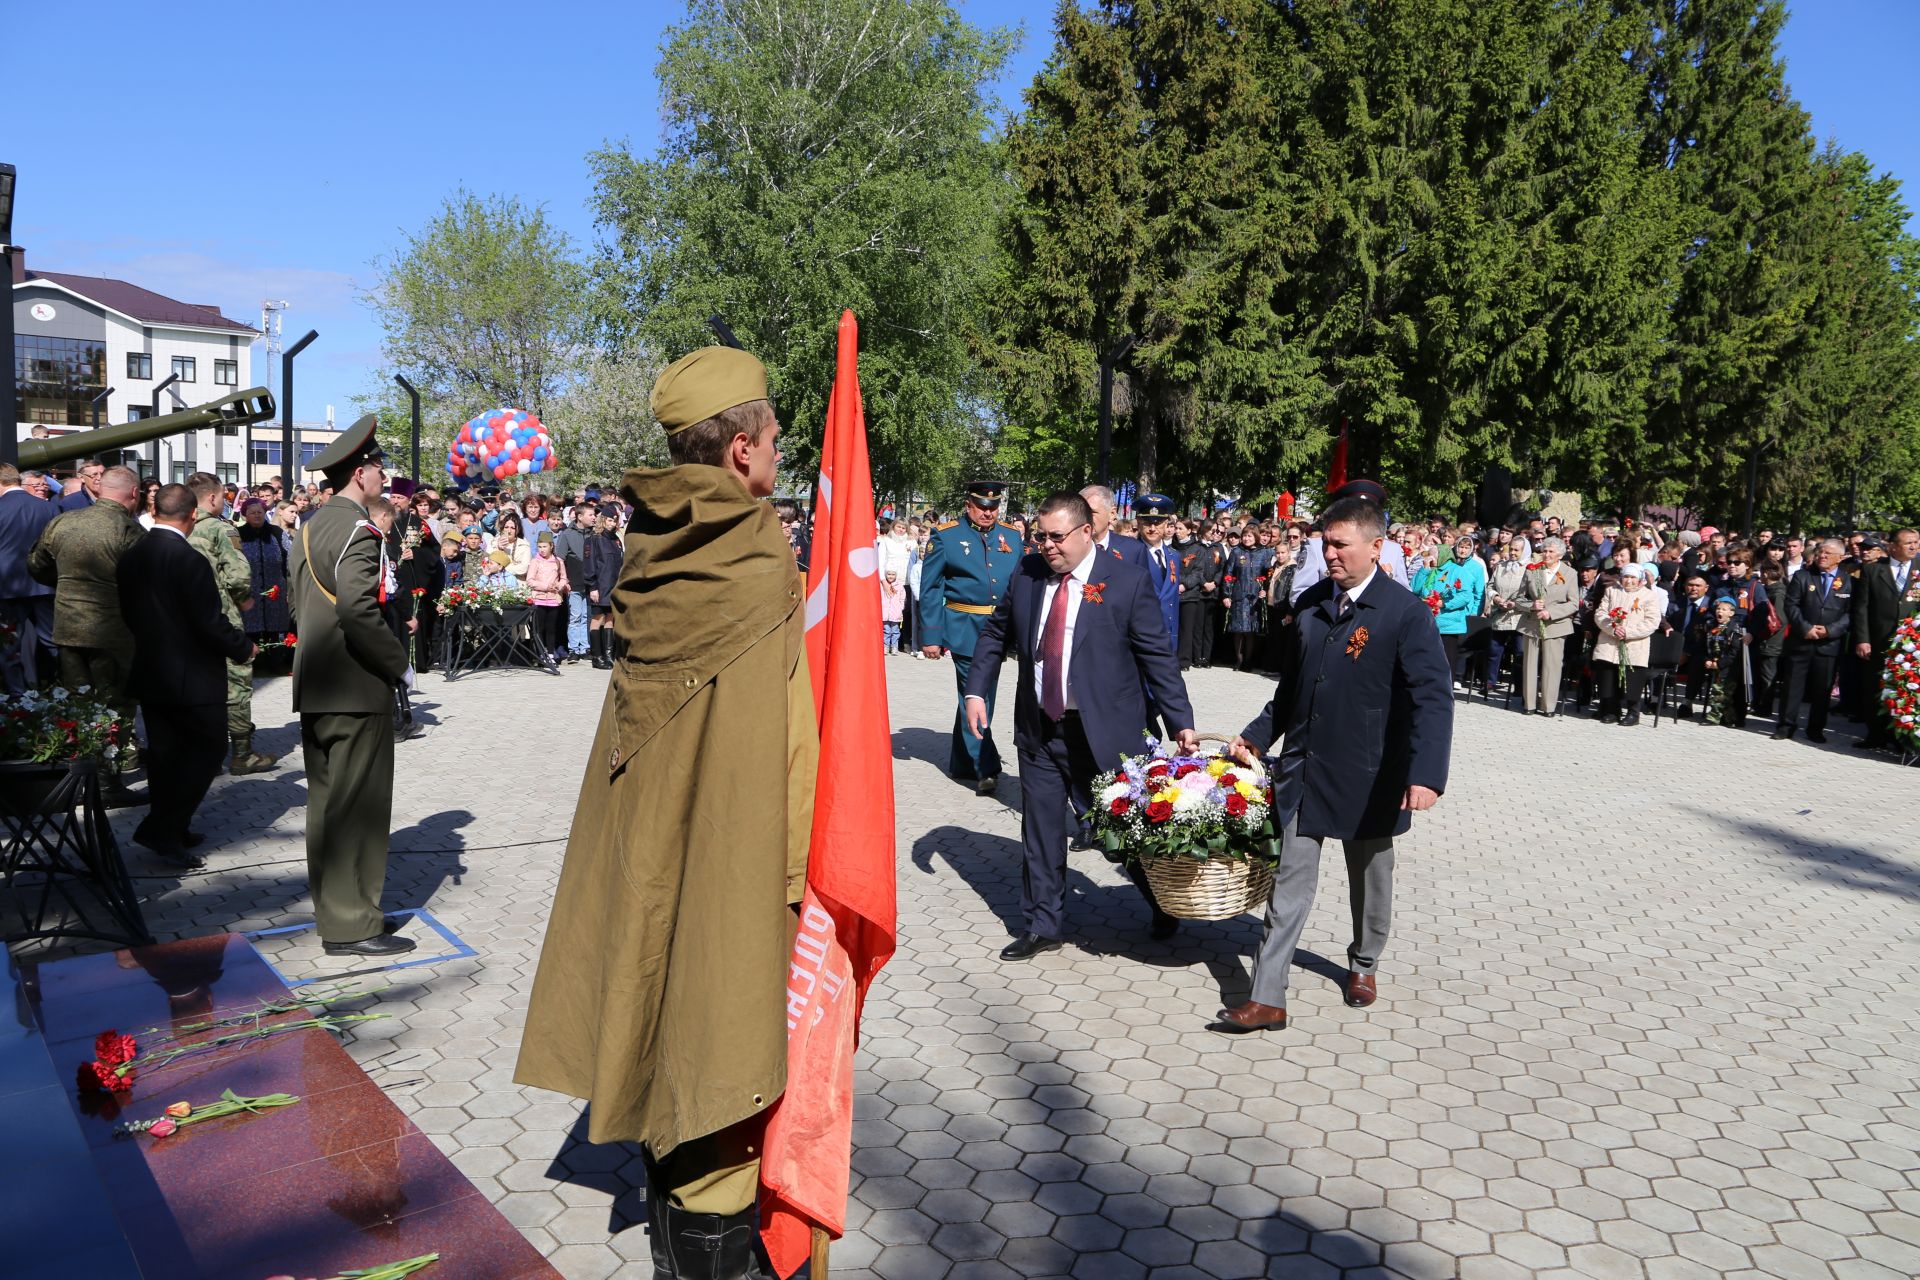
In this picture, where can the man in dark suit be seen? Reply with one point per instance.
(1086, 629)
(1365, 704)
(26, 603)
(1886, 593)
(181, 646)
(1101, 500)
(1819, 615)
(1688, 616)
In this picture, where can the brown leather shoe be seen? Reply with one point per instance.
(1251, 1016)
(1360, 990)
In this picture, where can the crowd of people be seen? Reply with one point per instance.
(1604, 618)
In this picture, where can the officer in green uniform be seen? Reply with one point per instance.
(969, 563)
(78, 555)
(219, 542)
(344, 671)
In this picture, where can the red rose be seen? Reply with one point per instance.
(113, 1048)
(1119, 807)
(1160, 810)
(1186, 769)
(1121, 776)
(291, 637)
(1236, 804)
(1228, 779)
(1158, 769)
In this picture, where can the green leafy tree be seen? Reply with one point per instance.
(822, 155)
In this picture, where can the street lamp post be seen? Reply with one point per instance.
(1113, 357)
(153, 449)
(9, 406)
(95, 406)
(288, 474)
(415, 397)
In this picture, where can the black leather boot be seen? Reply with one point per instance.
(704, 1246)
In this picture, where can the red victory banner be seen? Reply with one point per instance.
(847, 917)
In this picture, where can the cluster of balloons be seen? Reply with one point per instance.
(499, 443)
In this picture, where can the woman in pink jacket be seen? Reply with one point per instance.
(547, 581)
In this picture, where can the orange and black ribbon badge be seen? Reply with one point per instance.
(1357, 643)
(1092, 593)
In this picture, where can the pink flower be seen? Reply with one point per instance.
(162, 1127)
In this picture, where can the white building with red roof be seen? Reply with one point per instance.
(78, 338)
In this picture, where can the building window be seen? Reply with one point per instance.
(266, 453)
(227, 429)
(226, 373)
(183, 368)
(58, 368)
(140, 364)
(229, 472)
(179, 473)
(135, 412)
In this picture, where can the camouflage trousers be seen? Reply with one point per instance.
(239, 698)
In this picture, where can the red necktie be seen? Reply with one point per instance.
(1053, 646)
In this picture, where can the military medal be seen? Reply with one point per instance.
(966, 548)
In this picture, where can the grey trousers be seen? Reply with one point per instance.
(1540, 684)
(1369, 867)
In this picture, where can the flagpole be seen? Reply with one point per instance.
(817, 1268)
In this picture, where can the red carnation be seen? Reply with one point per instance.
(113, 1048)
(1228, 779)
(1186, 769)
(98, 1077)
(1158, 769)
(1160, 810)
(291, 638)
(1119, 807)
(1236, 804)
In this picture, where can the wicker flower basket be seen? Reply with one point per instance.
(1217, 889)
(1213, 889)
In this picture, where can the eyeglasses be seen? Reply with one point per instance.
(1042, 536)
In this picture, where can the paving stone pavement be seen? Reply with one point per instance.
(1648, 1011)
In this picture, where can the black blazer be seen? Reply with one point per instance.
(1877, 608)
(1363, 720)
(181, 641)
(1119, 644)
(1806, 608)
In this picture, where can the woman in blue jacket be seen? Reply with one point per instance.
(1462, 587)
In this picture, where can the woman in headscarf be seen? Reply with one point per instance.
(1627, 615)
(265, 549)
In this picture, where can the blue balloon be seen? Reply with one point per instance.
(533, 468)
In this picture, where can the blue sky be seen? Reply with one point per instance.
(227, 155)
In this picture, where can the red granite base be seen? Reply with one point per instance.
(343, 1179)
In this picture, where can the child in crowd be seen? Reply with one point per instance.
(1725, 666)
(893, 607)
(547, 581)
(452, 560)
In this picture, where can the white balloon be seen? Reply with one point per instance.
(523, 466)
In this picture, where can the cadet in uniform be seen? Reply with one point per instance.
(219, 542)
(968, 565)
(344, 670)
(78, 554)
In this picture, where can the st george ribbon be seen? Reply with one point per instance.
(847, 918)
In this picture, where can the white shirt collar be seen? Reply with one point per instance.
(1355, 593)
(1083, 572)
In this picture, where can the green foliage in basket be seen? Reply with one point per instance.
(56, 725)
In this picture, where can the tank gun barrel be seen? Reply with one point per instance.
(243, 408)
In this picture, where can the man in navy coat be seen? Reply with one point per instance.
(1085, 627)
(1365, 704)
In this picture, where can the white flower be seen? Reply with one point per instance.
(1187, 799)
(1113, 793)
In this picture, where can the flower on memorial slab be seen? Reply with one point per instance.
(113, 1048)
(180, 1110)
(162, 1128)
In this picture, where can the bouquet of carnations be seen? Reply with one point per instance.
(1162, 805)
(58, 725)
(1900, 684)
(482, 595)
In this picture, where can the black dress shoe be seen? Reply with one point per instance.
(194, 840)
(987, 786)
(1631, 719)
(1027, 946)
(1816, 735)
(384, 944)
(170, 852)
(1781, 734)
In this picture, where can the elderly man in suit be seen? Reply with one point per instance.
(1102, 502)
(1550, 595)
(1086, 630)
(1819, 615)
(182, 643)
(1886, 593)
(1365, 705)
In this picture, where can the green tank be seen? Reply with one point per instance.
(241, 409)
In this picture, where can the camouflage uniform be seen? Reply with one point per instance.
(219, 542)
(78, 554)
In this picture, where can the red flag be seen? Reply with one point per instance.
(1337, 474)
(847, 920)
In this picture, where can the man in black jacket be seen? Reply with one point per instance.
(1365, 704)
(181, 645)
(1886, 593)
(1819, 614)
